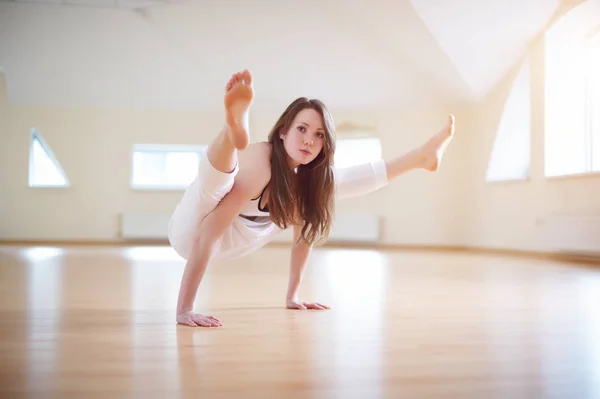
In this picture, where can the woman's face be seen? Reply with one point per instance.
(305, 138)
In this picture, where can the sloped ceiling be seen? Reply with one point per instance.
(484, 38)
(179, 54)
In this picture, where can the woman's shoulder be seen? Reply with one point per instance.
(256, 155)
(255, 161)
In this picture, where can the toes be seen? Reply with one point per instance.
(247, 76)
(239, 77)
(235, 78)
(451, 120)
(231, 83)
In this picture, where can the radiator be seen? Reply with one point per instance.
(348, 227)
(573, 233)
(144, 225)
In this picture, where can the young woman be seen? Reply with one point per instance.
(245, 193)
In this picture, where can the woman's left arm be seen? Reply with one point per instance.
(300, 254)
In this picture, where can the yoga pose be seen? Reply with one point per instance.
(245, 193)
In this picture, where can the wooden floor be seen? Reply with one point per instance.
(98, 322)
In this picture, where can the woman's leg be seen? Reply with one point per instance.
(427, 156)
(234, 136)
(215, 180)
(368, 177)
(217, 171)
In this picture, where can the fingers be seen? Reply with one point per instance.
(214, 319)
(206, 321)
(186, 321)
(317, 306)
(307, 305)
(296, 305)
(197, 320)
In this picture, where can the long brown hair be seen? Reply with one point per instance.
(306, 196)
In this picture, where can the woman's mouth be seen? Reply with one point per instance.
(305, 152)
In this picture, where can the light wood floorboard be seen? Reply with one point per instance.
(98, 322)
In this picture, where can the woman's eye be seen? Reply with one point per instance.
(301, 128)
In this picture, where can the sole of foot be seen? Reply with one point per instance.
(435, 147)
(238, 98)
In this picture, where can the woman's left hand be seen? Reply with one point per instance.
(298, 304)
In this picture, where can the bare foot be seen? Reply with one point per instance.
(434, 148)
(238, 98)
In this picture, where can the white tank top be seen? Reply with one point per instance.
(246, 235)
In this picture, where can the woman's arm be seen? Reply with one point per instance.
(211, 230)
(300, 254)
(299, 259)
(247, 184)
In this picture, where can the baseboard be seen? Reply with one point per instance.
(83, 243)
(553, 256)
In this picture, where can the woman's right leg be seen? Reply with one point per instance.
(217, 170)
(222, 152)
(223, 165)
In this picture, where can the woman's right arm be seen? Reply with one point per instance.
(211, 229)
(247, 184)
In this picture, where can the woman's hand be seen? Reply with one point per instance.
(298, 304)
(197, 320)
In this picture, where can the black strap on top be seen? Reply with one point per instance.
(266, 208)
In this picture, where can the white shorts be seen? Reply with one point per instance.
(200, 198)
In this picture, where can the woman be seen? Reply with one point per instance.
(245, 194)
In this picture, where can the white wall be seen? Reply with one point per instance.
(420, 208)
(515, 214)
(454, 206)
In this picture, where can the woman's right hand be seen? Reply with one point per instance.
(197, 320)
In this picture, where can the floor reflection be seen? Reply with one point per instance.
(44, 308)
(353, 355)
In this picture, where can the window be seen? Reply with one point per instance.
(164, 167)
(511, 155)
(44, 168)
(352, 151)
(594, 73)
(572, 95)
